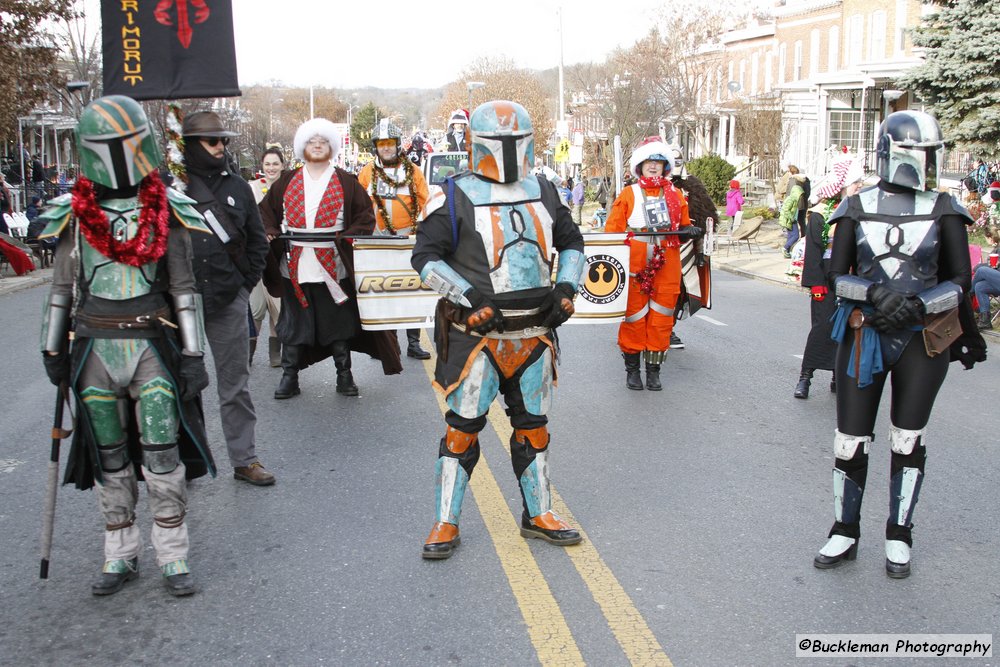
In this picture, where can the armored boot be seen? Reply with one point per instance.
(529, 454)
(274, 351)
(653, 361)
(907, 474)
(983, 321)
(849, 476)
(253, 348)
(177, 578)
(802, 388)
(114, 575)
(288, 386)
(452, 480)
(633, 379)
(413, 348)
(342, 359)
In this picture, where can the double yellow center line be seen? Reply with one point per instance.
(547, 627)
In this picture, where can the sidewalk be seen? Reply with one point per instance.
(763, 261)
(10, 283)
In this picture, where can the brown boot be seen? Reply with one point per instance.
(255, 473)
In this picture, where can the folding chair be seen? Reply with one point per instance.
(746, 232)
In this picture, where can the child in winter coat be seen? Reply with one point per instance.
(734, 199)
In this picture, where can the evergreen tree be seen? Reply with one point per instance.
(960, 77)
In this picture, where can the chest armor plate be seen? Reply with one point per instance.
(649, 212)
(106, 278)
(516, 231)
(898, 240)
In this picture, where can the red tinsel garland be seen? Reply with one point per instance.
(150, 240)
(645, 276)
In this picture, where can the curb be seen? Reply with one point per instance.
(23, 283)
(757, 276)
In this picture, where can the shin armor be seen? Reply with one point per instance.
(907, 473)
(530, 457)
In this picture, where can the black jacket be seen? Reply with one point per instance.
(221, 270)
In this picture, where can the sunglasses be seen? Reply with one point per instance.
(215, 141)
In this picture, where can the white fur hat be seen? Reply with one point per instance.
(317, 127)
(648, 147)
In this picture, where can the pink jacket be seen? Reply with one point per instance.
(734, 202)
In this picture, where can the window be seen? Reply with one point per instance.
(754, 68)
(743, 75)
(876, 37)
(731, 66)
(855, 39)
(845, 128)
(782, 58)
(797, 63)
(901, 8)
(814, 52)
(833, 53)
(768, 71)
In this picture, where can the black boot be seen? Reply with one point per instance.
(274, 351)
(833, 384)
(984, 322)
(653, 361)
(289, 384)
(342, 359)
(114, 575)
(253, 348)
(413, 348)
(633, 380)
(802, 388)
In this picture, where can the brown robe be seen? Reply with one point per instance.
(359, 220)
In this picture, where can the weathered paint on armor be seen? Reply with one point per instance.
(158, 412)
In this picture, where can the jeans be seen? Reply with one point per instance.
(985, 282)
(793, 236)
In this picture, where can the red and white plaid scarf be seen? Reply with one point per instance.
(295, 217)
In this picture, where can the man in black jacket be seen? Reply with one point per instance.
(227, 264)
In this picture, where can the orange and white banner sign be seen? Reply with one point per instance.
(391, 296)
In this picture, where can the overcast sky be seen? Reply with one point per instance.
(421, 43)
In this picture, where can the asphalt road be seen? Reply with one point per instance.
(703, 506)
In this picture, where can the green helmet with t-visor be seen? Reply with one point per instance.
(116, 142)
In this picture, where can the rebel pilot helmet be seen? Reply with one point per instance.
(116, 143)
(652, 148)
(386, 130)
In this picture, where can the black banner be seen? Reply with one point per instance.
(169, 49)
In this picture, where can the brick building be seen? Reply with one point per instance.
(830, 66)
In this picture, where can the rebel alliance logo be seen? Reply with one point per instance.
(604, 279)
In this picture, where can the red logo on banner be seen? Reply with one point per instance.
(184, 32)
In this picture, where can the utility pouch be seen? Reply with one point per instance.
(940, 331)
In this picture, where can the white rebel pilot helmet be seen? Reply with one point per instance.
(652, 148)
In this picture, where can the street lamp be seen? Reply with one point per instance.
(472, 85)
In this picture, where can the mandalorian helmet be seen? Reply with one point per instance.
(503, 141)
(116, 143)
(386, 129)
(910, 150)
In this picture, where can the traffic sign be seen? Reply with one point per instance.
(562, 151)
